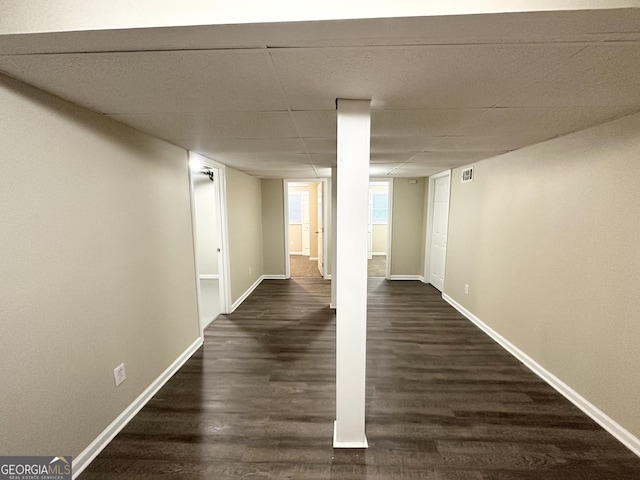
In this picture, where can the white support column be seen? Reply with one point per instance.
(334, 222)
(354, 132)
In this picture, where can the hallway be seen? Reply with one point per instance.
(444, 401)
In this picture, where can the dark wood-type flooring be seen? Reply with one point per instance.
(444, 402)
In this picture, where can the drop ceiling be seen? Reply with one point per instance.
(445, 91)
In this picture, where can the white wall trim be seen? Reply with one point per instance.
(249, 291)
(381, 254)
(274, 277)
(407, 277)
(618, 431)
(295, 253)
(83, 460)
(311, 259)
(336, 444)
(210, 277)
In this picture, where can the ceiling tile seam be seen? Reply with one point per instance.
(193, 113)
(504, 43)
(556, 67)
(590, 125)
(136, 50)
(283, 91)
(403, 163)
(455, 131)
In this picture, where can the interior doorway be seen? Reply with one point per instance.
(379, 228)
(207, 181)
(305, 212)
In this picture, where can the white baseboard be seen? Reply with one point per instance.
(83, 460)
(274, 277)
(618, 431)
(336, 444)
(407, 277)
(379, 254)
(311, 259)
(244, 296)
(295, 253)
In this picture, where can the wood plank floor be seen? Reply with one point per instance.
(444, 402)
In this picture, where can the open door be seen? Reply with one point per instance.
(209, 237)
(320, 231)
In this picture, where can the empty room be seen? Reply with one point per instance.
(329, 241)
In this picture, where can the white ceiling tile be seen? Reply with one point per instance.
(438, 99)
(255, 145)
(143, 82)
(291, 173)
(450, 159)
(390, 144)
(392, 157)
(321, 145)
(259, 158)
(324, 159)
(212, 124)
(415, 171)
(598, 76)
(316, 123)
(546, 121)
(462, 76)
(430, 122)
(488, 143)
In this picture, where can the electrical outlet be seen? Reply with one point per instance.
(119, 374)
(466, 288)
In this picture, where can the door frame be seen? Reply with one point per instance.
(326, 205)
(429, 223)
(389, 182)
(224, 263)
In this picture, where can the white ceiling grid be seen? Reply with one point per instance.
(445, 92)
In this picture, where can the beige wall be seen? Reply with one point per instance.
(547, 239)
(379, 238)
(97, 269)
(244, 214)
(273, 247)
(408, 227)
(295, 238)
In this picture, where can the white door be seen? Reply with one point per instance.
(320, 230)
(439, 235)
(207, 228)
(370, 228)
(306, 234)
